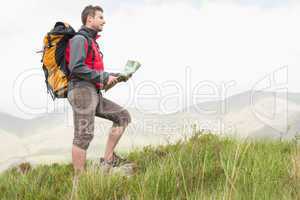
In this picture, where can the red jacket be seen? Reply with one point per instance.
(86, 64)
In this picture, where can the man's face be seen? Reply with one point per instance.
(97, 22)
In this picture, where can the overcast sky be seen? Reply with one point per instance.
(181, 44)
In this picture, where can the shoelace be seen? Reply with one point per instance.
(117, 160)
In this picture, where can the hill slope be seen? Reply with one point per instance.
(203, 167)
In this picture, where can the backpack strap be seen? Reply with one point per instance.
(93, 59)
(89, 47)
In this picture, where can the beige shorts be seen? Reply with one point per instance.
(87, 103)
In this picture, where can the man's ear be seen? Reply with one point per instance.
(89, 18)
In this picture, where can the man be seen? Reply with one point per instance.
(87, 78)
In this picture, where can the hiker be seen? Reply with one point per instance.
(87, 78)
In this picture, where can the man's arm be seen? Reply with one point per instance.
(77, 64)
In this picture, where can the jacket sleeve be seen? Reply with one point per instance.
(77, 65)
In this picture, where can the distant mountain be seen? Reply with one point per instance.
(237, 102)
(236, 111)
(293, 129)
(262, 115)
(22, 127)
(12, 124)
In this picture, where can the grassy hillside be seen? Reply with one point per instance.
(202, 167)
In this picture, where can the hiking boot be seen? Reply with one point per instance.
(117, 160)
(105, 166)
(108, 165)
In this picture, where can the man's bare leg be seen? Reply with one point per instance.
(78, 158)
(113, 139)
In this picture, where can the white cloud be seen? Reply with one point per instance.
(220, 42)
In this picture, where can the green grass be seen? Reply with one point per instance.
(202, 167)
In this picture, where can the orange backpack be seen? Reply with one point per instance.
(53, 59)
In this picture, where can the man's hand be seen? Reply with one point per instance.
(112, 80)
(124, 78)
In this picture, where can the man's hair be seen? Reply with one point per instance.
(89, 11)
